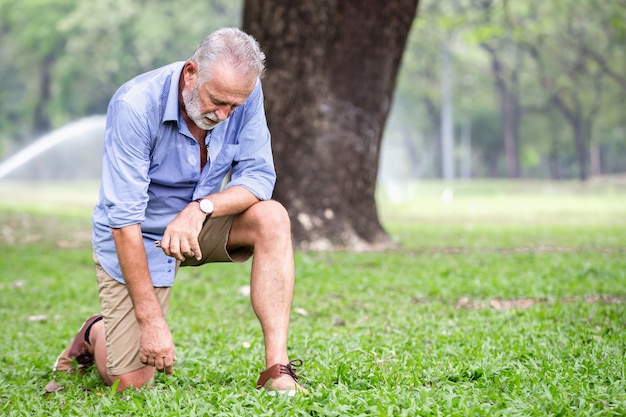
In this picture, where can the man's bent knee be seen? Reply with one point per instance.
(267, 215)
(270, 213)
(262, 221)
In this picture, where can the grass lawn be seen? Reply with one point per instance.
(502, 299)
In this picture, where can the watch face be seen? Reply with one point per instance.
(206, 206)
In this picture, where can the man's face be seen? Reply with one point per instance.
(211, 102)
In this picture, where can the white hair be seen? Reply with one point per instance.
(232, 47)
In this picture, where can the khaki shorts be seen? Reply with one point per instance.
(121, 327)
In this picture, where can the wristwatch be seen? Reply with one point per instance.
(206, 206)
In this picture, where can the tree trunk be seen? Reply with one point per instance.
(595, 159)
(434, 113)
(331, 72)
(509, 112)
(554, 163)
(582, 147)
(581, 129)
(447, 118)
(41, 120)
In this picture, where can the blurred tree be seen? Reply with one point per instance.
(494, 25)
(505, 62)
(63, 59)
(332, 68)
(573, 82)
(32, 27)
(486, 133)
(415, 123)
(612, 57)
(506, 31)
(115, 40)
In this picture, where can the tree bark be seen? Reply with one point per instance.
(595, 159)
(41, 120)
(434, 113)
(509, 111)
(571, 106)
(331, 72)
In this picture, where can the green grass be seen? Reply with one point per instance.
(508, 300)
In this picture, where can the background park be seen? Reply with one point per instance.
(472, 153)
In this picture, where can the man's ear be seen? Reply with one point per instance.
(190, 73)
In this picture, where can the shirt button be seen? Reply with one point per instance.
(169, 261)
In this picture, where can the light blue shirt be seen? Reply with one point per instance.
(151, 164)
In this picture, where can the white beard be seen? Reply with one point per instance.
(192, 107)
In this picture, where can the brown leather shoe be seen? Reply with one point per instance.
(276, 371)
(80, 350)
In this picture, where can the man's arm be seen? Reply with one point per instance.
(181, 236)
(157, 346)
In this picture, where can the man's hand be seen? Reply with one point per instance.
(157, 346)
(180, 239)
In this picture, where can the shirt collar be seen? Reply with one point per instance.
(172, 106)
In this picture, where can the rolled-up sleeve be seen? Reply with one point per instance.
(126, 164)
(253, 164)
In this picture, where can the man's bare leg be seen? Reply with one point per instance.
(266, 227)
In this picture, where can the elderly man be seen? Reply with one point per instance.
(172, 137)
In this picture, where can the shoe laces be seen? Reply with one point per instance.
(290, 368)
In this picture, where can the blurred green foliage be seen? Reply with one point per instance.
(562, 70)
(63, 59)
